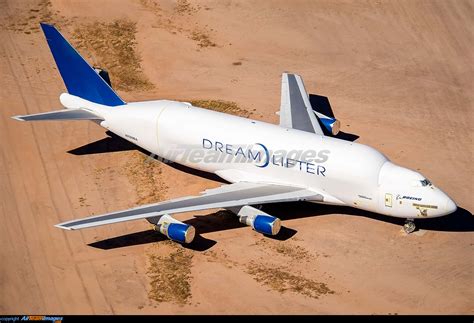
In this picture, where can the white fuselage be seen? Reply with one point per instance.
(239, 149)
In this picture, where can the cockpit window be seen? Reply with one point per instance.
(425, 182)
(421, 183)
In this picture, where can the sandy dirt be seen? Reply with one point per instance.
(398, 74)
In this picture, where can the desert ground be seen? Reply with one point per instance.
(398, 74)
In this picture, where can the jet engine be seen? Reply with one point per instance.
(258, 220)
(174, 229)
(331, 124)
(323, 111)
(103, 74)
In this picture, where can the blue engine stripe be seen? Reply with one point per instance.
(264, 224)
(177, 232)
(328, 123)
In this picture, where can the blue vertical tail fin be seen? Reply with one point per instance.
(79, 77)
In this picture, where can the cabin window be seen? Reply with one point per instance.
(425, 182)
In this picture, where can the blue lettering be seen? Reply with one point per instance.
(321, 170)
(275, 159)
(301, 163)
(251, 156)
(240, 151)
(228, 149)
(220, 144)
(204, 141)
(275, 163)
(288, 164)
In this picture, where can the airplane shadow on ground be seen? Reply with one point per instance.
(460, 221)
(114, 143)
(213, 222)
(110, 144)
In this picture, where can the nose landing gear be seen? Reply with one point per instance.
(409, 226)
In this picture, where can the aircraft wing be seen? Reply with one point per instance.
(238, 194)
(295, 109)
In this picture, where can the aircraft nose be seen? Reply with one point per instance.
(450, 206)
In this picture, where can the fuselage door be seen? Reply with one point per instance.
(388, 200)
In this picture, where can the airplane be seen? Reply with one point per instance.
(297, 160)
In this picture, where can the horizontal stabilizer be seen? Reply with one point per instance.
(66, 114)
(295, 109)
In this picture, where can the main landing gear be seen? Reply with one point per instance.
(409, 226)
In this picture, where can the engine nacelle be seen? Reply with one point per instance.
(258, 220)
(332, 125)
(175, 230)
(103, 74)
(265, 224)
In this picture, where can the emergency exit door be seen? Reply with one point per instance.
(388, 200)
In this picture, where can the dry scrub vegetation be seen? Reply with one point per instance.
(184, 7)
(222, 106)
(144, 173)
(170, 274)
(179, 19)
(114, 48)
(280, 279)
(28, 20)
(285, 248)
(202, 39)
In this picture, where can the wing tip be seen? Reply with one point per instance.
(18, 118)
(62, 226)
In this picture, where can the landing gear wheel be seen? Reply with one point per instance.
(409, 226)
